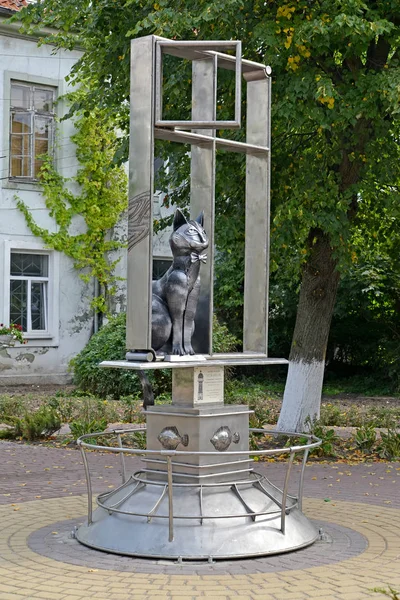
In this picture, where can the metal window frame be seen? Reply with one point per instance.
(198, 50)
(145, 127)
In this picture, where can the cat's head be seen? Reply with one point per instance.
(188, 236)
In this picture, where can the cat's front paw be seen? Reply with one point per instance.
(189, 350)
(178, 349)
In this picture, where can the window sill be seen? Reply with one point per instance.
(40, 335)
(38, 341)
(20, 184)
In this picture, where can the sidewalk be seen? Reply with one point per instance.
(43, 496)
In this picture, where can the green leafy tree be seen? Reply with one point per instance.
(336, 81)
(101, 199)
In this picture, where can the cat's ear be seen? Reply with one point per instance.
(200, 218)
(179, 219)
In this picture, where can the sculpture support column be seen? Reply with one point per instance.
(255, 322)
(202, 191)
(140, 212)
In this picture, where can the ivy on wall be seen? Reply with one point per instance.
(101, 200)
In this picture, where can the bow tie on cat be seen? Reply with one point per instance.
(194, 257)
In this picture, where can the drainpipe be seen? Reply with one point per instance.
(96, 312)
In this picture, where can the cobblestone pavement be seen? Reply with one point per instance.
(42, 494)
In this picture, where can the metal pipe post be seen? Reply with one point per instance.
(170, 500)
(89, 486)
(285, 492)
(119, 440)
(301, 482)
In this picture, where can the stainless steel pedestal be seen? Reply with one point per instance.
(196, 504)
(209, 522)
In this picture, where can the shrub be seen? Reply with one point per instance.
(106, 344)
(109, 344)
(223, 340)
(11, 406)
(328, 437)
(33, 426)
(389, 447)
(365, 437)
(331, 415)
(132, 409)
(83, 426)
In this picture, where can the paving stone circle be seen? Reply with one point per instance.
(337, 543)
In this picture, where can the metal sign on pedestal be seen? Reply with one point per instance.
(197, 495)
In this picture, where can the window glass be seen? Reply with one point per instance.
(160, 266)
(31, 129)
(38, 305)
(19, 303)
(29, 265)
(21, 123)
(43, 99)
(28, 291)
(20, 96)
(20, 166)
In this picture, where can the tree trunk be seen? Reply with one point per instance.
(302, 397)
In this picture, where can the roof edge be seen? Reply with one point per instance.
(13, 29)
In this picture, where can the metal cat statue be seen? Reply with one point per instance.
(176, 293)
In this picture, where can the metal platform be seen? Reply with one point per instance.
(217, 360)
(153, 514)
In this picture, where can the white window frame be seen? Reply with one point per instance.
(32, 112)
(60, 87)
(50, 336)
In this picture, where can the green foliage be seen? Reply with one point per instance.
(390, 592)
(110, 344)
(83, 426)
(365, 330)
(33, 426)
(389, 446)
(11, 406)
(328, 437)
(335, 136)
(101, 201)
(106, 344)
(223, 340)
(132, 409)
(365, 438)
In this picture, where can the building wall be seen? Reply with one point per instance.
(44, 358)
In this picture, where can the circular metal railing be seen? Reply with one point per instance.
(141, 478)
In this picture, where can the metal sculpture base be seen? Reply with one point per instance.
(213, 522)
(197, 496)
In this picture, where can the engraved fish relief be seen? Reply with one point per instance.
(223, 437)
(170, 438)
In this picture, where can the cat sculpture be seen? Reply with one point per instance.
(176, 293)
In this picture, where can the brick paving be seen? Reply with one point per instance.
(42, 494)
(56, 541)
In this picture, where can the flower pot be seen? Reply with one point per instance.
(6, 340)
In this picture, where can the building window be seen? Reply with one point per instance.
(160, 266)
(31, 128)
(29, 279)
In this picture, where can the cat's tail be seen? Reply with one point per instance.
(148, 395)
